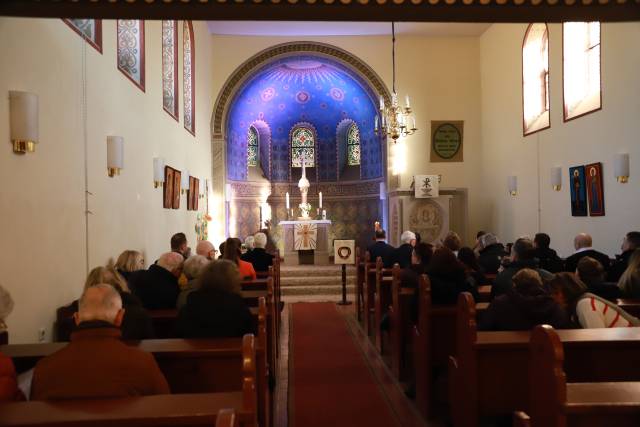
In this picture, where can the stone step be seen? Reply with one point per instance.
(317, 290)
(312, 271)
(286, 282)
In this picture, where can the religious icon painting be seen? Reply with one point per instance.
(190, 194)
(167, 202)
(595, 189)
(195, 194)
(577, 184)
(177, 177)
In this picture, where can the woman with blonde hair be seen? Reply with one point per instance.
(629, 282)
(128, 263)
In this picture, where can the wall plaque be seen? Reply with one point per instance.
(446, 141)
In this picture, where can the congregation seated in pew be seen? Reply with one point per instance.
(193, 266)
(206, 249)
(630, 243)
(380, 248)
(216, 308)
(158, 286)
(448, 277)
(129, 264)
(583, 246)
(258, 256)
(490, 253)
(97, 363)
(548, 258)
(232, 252)
(592, 274)
(472, 269)
(402, 254)
(629, 283)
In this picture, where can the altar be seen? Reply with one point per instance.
(305, 237)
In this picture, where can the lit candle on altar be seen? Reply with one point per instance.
(320, 195)
(287, 200)
(406, 101)
(375, 121)
(324, 214)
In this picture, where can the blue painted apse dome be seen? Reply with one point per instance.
(309, 91)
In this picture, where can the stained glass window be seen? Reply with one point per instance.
(302, 146)
(170, 67)
(535, 78)
(353, 146)
(188, 58)
(131, 50)
(252, 147)
(89, 29)
(581, 68)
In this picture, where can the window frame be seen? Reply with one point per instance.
(359, 144)
(257, 145)
(140, 85)
(97, 45)
(192, 49)
(176, 90)
(525, 132)
(313, 132)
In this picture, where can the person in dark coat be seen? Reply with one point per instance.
(468, 258)
(490, 254)
(381, 249)
(523, 257)
(158, 287)
(216, 309)
(402, 254)
(179, 245)
(592, 274)
(448, 278)
(548, 259)
(582, 243)
(260, 259)
(630, 243)
(524, 305)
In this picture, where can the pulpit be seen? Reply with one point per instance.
(306, 237)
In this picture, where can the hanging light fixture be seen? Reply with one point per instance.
(395, 121)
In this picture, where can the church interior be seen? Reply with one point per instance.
(324, 136)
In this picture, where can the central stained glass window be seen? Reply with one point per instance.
(353, 146)
(252, 147)
(303, 146)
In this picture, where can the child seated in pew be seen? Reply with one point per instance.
(216, 308)
(524, 306)
(586, 309)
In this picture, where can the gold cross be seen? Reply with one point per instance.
(304, 233)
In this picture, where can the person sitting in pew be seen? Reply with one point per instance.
(192, 269)
(129, 264)
(216, 308)
(448, 278)
(453, 242)
(420, 257)
(381, 249)
(158, 287)
(260, 258)
(402, 254)
(583, 245)
(629, 283)
(586, 309)
(523, 306)
(592, 274)
(630, 243)
(206, 249)
(491, 253)
(233, 252)
(468, 258)
(97, 363)
(548, 258)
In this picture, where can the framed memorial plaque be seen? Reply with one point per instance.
(447, 141)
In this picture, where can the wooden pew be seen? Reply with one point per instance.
(368, 292)
(238, 367)
(484, 293)
(4, 337)
(382, 299)
(226, 418)
(359, 297)
(631, 306)
(489, 374)
(400, 324)
(556, 403)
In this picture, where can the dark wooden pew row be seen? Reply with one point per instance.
(555, 403)
(381, 301)
(400, 323)
(360, 263)
(4, 337)
(368, 293)
(231, 364)
(631, 306)
(489, 376)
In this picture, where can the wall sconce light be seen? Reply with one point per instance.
(621, 167)
(184, 181)
(23, 118)
(512, 183)
(556, 178)
(115, 155)
(158, 172)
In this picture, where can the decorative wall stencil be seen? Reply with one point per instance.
(427, 218)
(595, 189)
(177, 177)
(170, 67)
(189, 78)
(168, 188)
(578, 191)
(131, 50)
(426, 186)
(88, 29)
(447, 141)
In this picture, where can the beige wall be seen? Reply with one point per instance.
(42, 199)
(592, 138)
(441, 75)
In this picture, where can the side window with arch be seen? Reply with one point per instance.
(253, 147)
(303, 146)
(353, 146)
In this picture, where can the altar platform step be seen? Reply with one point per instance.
(315, 270)
(314, 283)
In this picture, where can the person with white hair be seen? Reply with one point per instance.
(490, 254)
(402, 254)
(158, 287)
(206, 249)
(9, 390)
(259, 257)
(97, 363)
(192, 269)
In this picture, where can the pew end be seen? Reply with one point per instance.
(521, 419)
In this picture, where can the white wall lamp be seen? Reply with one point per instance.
(158, 172)
(184, 181)
(512, 183)
(23, 118)
(621, 167)
(115, 155)
(556, 178)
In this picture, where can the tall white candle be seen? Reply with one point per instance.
(320, 194)
(406, 101)
(413, 119)
(287, 199)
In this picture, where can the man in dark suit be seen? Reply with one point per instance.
(158, 286)
(582, 243)
(381, 249)
(630, 243)
(402, 255)
(260, 259)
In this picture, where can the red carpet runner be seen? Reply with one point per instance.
(330, 385)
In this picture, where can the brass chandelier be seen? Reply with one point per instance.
(395, 121)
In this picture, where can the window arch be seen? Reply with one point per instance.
(253, 147)
(353, 146)
(189, 85)
(535, 78)
(303, 146)
(581, 68)
(170, 67)
(131, 50)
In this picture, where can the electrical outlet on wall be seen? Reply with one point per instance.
(41, 334)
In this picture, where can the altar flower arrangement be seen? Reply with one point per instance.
(305, 208)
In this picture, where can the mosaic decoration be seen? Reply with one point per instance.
(188, 58)
(252, 147)
(170, 67)
(353, 146)
(88, 29)
(131, 50)
(302, 146)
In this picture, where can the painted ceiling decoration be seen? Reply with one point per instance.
(354, 10)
